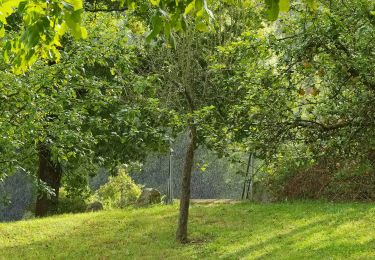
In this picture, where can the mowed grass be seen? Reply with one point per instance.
(300, 230)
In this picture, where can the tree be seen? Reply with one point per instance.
(86, 110)
(186, 85)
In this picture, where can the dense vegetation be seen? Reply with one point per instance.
(91, 89)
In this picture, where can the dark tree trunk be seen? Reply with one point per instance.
(181, 234)
(50, 173)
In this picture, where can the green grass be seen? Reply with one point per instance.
(303, 230)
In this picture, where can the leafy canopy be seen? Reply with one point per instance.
(34, 28)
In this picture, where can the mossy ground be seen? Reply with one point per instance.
(300, 230)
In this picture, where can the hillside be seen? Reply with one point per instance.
(308, 230)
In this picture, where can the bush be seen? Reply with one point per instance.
(120, 191)
(334, 179)
(70, 203)
(355, 182)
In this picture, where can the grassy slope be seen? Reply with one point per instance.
(309, 230)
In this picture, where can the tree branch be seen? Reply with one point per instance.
(105, 10)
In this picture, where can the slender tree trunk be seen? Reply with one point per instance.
(50, 173)
(181, 234)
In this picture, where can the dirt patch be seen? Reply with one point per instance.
(214, 201)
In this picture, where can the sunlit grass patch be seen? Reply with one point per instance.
(304, 230)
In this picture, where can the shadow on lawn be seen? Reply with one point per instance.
(253, 231)
(287, 246)
(320, 232)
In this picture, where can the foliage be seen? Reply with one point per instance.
(307, 89)
(354, 181)
(70, 203)
(119, 192)
(39, 26)
(345, 179)
(298, 230)
(186, 80)
(86, 109)
(328, 77)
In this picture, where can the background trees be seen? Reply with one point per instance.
(308, 105)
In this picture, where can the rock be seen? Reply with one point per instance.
(149, 196)
(95, 206)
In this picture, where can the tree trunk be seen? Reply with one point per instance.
(50, 173)
(181, 234)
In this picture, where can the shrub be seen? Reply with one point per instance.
(354, 181)
(334, 179)
(70, 203)
(120, 191)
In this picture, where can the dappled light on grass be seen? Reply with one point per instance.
(298, 230)
(305, 230)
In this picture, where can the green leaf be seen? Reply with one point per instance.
(202, 27)
(157, 24)
(284, 5)
(76, 4)
(190, 7)
(172, 41)
(198, 5)
(311, 4)
(167, 30)
(7, 7)
(155, 2)
(83, 32)
(272, 9)
(73, 21)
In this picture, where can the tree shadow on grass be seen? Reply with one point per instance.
(278, 231)
(320, 233)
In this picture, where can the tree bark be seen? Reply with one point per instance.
(50, 173)
(181, 234)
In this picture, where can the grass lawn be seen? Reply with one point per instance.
(300, 230)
